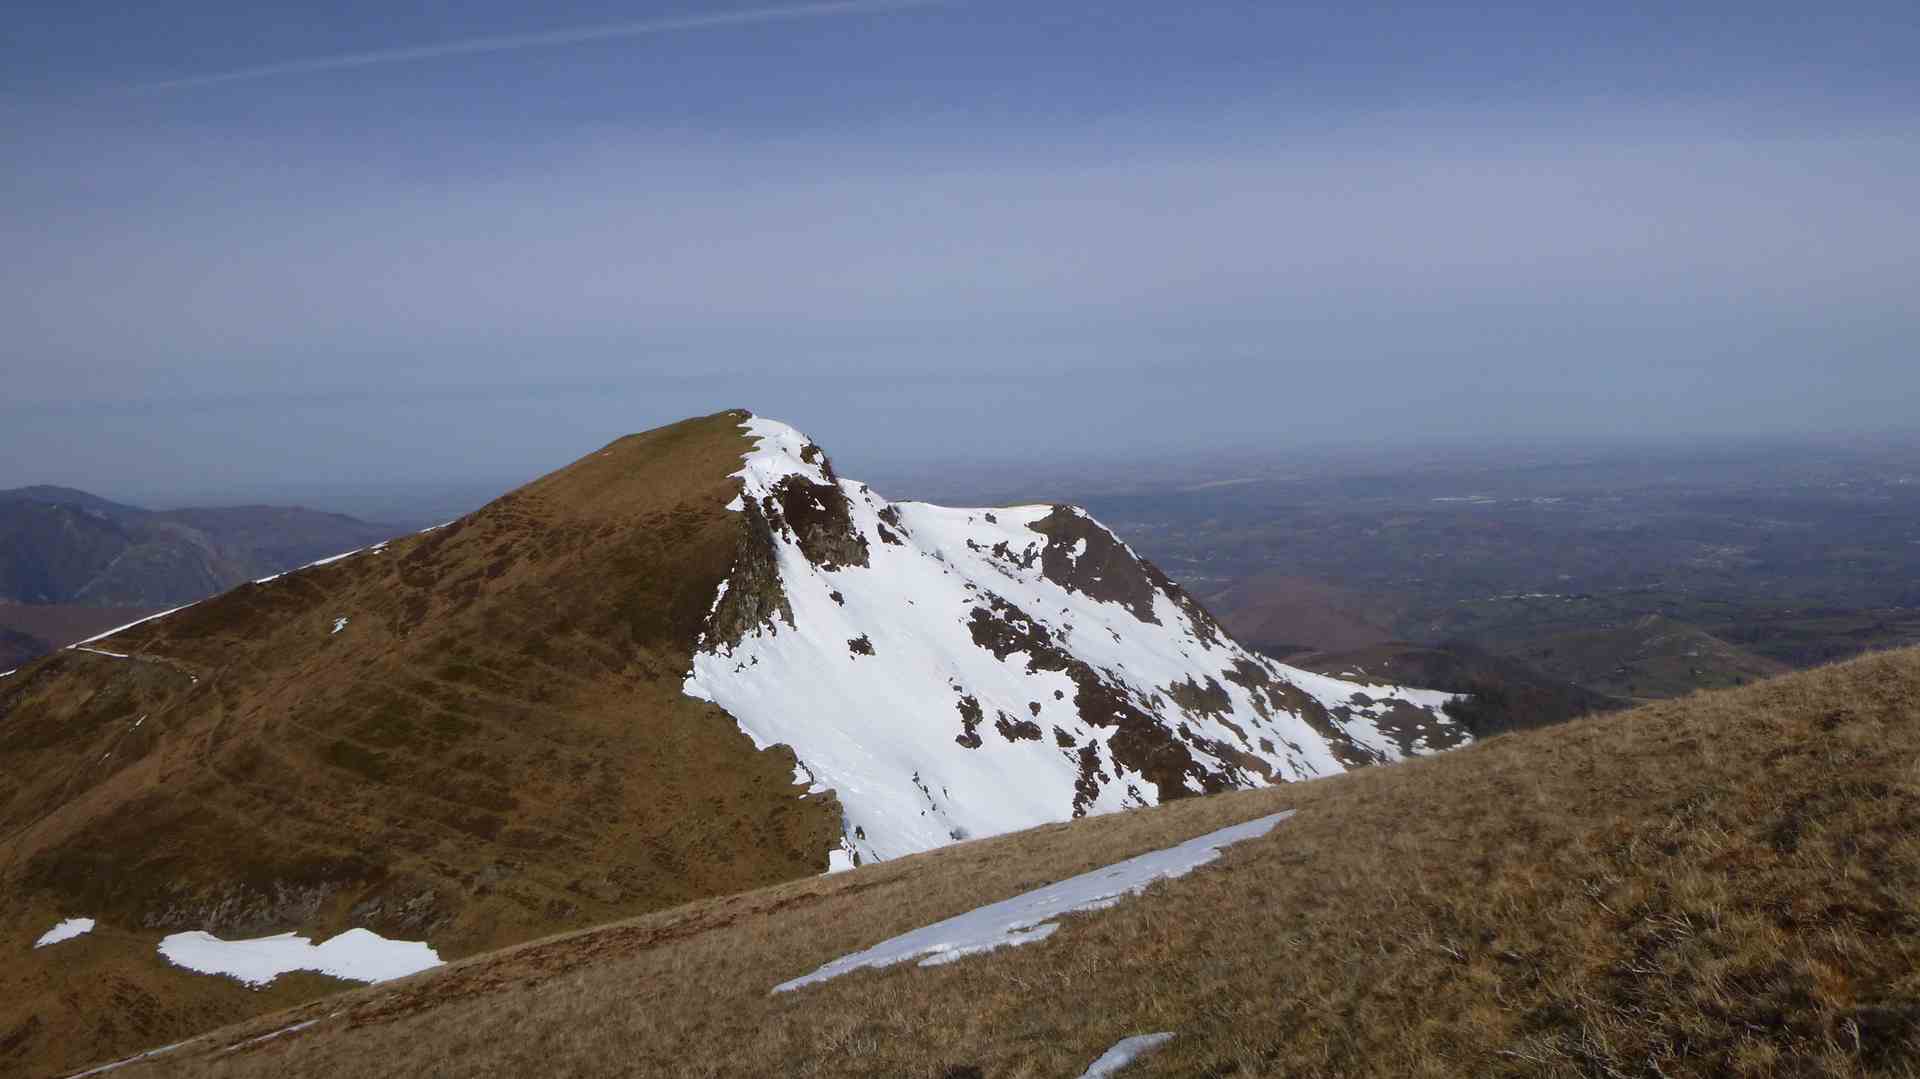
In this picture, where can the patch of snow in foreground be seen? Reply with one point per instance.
(359, 955)
(1125, 1052)
(66, 930)
(1029, 917)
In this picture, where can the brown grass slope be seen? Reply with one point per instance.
(1727, 884)
(495, 746)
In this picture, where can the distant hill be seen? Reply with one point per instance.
(29, 631)
(48, 494)
(62, 546)
(1502, 693)
(1650, 658)
(1280, 614)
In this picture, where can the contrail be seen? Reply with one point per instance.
(549, 39)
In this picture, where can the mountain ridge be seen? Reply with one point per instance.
(1032, 643)
(482, 732)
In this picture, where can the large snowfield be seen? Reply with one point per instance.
(868, 682)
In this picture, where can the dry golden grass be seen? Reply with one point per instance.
(1720, 885)
(496, 748)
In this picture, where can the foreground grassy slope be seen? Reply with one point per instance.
(473, 737)
(1724, 884)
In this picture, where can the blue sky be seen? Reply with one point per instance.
(252, 245)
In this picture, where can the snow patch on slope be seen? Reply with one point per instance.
(67, 930)
(976, 671)
(1125, 1052)
(1032, 916)
(123, 629)
(99, 652)
(359, 955)
(376, 548)
(129, 626)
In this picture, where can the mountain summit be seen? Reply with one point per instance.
(694, 662)
(953, 673)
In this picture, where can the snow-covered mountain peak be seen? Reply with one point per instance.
(782, 451)
(954, 673)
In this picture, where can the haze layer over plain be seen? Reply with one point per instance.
(912, 227)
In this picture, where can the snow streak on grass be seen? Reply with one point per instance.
(1032, 916)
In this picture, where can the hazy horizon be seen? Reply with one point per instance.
(980, 476)
(380, 246)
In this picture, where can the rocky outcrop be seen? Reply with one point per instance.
(818, 517)
(753, 597)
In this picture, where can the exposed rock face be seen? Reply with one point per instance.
(1083, 557)
(813, 514)
(1084, 680)
(818, 518)
(753, 596)
(1137, 742)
